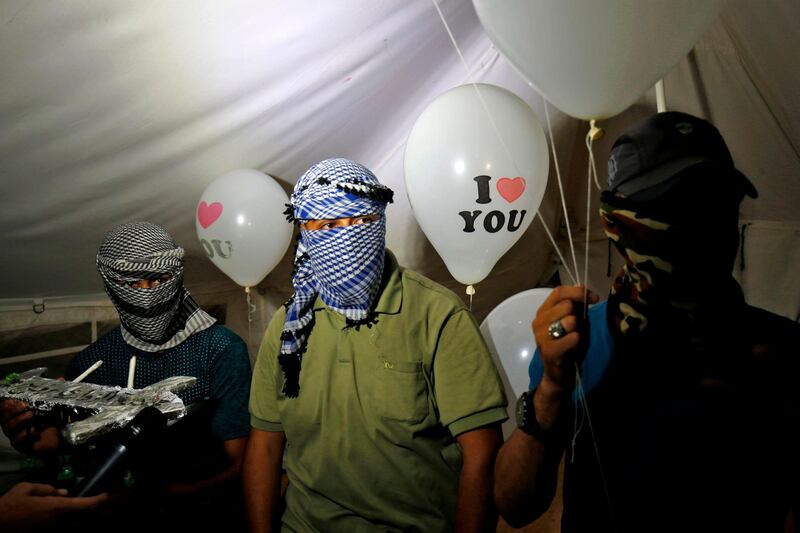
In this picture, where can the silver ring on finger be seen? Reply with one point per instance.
(556, 330)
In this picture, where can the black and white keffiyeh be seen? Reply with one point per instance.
(343, 265)
(157, 318)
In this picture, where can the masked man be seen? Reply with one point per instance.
(375, 380)
(690, 413)
(162, 325)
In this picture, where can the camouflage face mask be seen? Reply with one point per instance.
(670, 255)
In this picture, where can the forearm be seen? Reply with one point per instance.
(526, 470)
(261, 479)
(234, 451)
(262, 496)
(475, 510)
(229, 475)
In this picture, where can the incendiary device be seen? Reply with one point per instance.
(95, 409)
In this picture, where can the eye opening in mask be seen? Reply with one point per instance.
(145, 283)
(326, 224)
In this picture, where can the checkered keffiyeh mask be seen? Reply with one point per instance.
(152, 319)
(342, 265)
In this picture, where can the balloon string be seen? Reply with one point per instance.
(593, 134)
(250, 310)
(500, 137)
(453, 40)
(583, 404)
(477, 90)
(588, 226)
(557, 249)
(560, 188)
(577, 422)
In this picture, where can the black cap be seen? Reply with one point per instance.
(649, 158)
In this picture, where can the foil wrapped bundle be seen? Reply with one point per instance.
(100, 408)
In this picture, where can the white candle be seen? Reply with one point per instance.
(88, 371)
(131, 371)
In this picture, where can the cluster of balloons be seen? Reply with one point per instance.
(241, 226)
(476, 159)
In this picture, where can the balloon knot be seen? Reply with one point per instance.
(595, 133)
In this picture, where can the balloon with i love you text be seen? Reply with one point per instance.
(240, 223)
(475, 175)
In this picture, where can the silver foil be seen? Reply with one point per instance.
(109, 407)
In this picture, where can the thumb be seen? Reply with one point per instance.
(74, 504)
(40, 489)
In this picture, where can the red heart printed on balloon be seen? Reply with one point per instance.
(510, 189)
(208, 214)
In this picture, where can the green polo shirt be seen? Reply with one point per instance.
(370, 438)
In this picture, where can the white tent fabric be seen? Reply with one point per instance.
(119, 111)
(115, 111)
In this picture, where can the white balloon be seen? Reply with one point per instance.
(475, 181)
(508, 334)
(593, 59)
(240, 223)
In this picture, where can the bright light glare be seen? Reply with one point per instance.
(524, 354)
(459, 166)
(240, 220)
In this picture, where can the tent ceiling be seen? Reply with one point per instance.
(120, 111)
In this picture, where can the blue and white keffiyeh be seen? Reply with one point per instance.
(343, 265)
